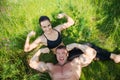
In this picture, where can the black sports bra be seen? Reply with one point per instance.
(52, 44)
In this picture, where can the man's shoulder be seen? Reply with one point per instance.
(76, 60)
(50, 64)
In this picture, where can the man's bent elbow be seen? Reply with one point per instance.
(32, 65)
(94, 53)
(26, 50)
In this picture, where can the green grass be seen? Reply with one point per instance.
(96, 21)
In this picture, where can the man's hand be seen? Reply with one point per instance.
(44, 50)
(32, 33)
(61, 15)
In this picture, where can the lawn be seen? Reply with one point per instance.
(96, 21)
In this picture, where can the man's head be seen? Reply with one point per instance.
(61, 54)
(45, 23)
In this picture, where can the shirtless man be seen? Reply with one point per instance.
(64, 69)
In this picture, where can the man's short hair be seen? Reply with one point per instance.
(61, 47)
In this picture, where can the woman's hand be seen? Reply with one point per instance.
(32, 33)
(61, 15)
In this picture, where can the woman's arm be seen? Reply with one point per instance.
(63, 26)
(28, 47)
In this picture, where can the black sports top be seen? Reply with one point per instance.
(52, 44)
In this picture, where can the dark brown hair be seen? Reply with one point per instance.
(43, 18)
(61, 47)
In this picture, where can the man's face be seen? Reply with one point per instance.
(61, 55)
(46, 25)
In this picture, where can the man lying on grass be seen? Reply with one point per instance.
(65, 69)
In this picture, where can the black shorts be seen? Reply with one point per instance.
(102, 54)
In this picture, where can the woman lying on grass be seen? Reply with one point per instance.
(51, 36)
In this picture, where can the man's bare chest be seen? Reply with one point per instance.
(65, 72)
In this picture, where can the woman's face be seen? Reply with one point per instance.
(46, 25)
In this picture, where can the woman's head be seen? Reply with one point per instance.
(43, 18)
(45, 23)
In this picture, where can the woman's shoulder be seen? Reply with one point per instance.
(42, 38)
(57, 29)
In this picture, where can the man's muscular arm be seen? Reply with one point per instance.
(88, 53)
(36, 64)
(76, 45)
(86, 58)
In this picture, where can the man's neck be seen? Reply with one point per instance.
(63, 64)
